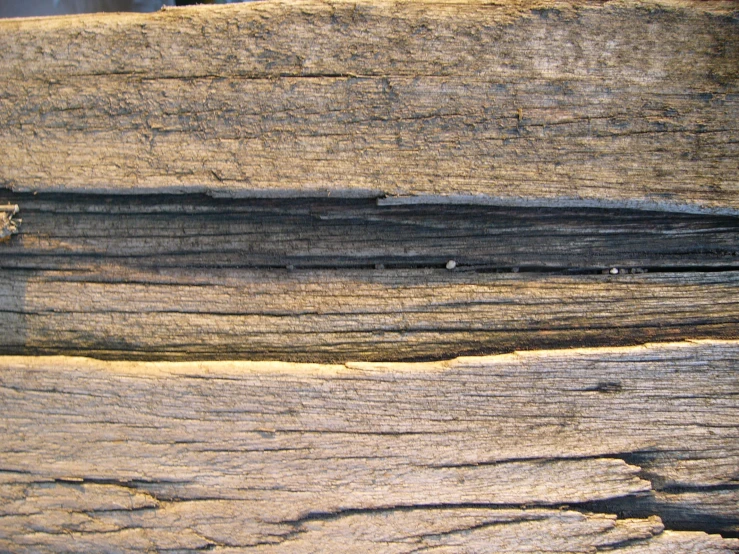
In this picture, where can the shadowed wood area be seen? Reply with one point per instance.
(190, 277)
(196, 231)
(493, 454)
(612, 104)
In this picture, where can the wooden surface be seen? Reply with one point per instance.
(377, 187)
(616, 104)
(195, 231)
(190, 277)
(512, 453)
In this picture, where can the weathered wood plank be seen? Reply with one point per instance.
(444, 530)
(618, 104)
(382, 531)
(198, 278)
(562, 105)
(493, 454)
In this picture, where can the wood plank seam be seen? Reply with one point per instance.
(168, 277)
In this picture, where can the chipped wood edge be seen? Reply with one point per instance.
(8, 226)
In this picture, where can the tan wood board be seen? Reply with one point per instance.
(328, 315)
(619, 104)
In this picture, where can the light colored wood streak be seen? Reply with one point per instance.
(7, 225)
(617, 104)
(327, 315)
(477, 453)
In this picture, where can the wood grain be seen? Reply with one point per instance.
(620, 104)
(195, 231)
(490, 454)
(576, 161)
(325, 315)
(131, 277)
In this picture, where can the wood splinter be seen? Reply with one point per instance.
(7, 225)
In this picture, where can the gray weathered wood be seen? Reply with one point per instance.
(620, 104)
(188, 231)
(491, 454)
(196, 278)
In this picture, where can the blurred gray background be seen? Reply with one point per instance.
(31, 8)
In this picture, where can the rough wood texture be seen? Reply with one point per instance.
(196, 231)
(329, 315)
(618, 103)
(197, 278)
(491, 454)
(541, 113)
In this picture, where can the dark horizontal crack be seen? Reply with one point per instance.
(199, 233)
(685, 488)
(674, 516)
(134, 484)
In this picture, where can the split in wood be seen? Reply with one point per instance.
(192, 277)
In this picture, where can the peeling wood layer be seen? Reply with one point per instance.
(619, 104)
(496, 454)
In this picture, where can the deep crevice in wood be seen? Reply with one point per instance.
(675, 516)
(681, 518)
(197, 231)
